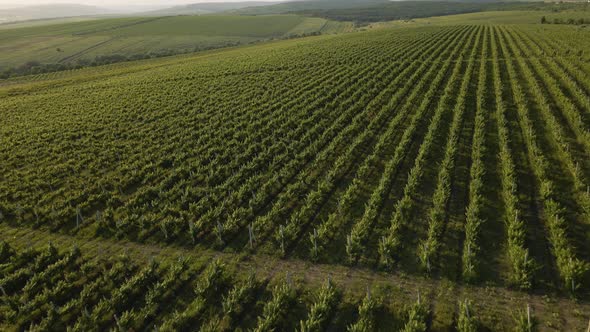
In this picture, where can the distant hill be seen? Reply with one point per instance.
(377, 9)
(306, 5)
(363, 11)
(49, 11)
(399, 10)
(207, 8)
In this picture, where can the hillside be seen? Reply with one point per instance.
(427, 175)
(207, 8)
(297, 6)
(379, 11)
(142, 37)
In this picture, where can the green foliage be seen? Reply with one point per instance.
(417, 314)
(322, 310)
(366, 320)
(466, 321)
(273, 314)
(524, 321)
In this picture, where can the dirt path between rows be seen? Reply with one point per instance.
(495, 305)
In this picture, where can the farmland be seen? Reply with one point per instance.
(410, 176)
(71, 42)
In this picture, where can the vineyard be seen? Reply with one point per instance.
(45, 289)
(436, 156)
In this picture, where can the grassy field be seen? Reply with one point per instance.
(494, 17)
(34, 23)
(58, 42)
(444, 160)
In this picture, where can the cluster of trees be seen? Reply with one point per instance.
(36, 67)
(571, 21)
(302, 35)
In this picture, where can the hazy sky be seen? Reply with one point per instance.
(110, 3)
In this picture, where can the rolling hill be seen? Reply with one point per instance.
(140, 37)
(207, 8)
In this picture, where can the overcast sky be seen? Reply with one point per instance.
(110, 3)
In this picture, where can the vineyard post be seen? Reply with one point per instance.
(282, 235)
(219, 229)
(315, 240)
(19, 212)
(164, 229)
(573, 283)
(528, 316)
(251, 235)
(349, 245)
(117, 321)
(588, 330)
(428, 258)
(191, 229)
(79, 219)
(368, 292)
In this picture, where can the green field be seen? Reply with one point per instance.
(429, 175)
(57, 42)
(496, 17)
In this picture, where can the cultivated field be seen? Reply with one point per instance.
(425, 166)
(85, 40)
